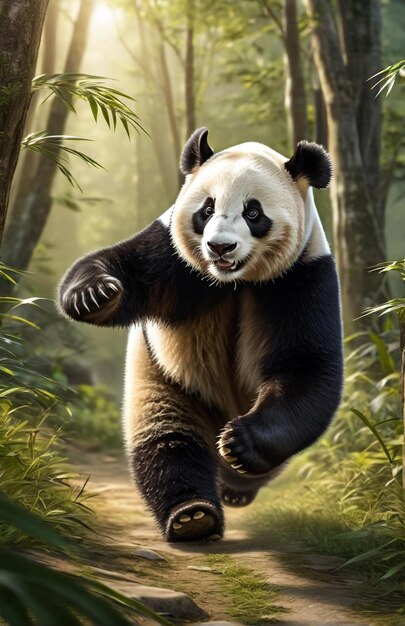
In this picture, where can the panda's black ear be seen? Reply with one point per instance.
(312, 162)
(196, 151)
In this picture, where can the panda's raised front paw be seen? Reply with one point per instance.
(242, 444)
(92, 299)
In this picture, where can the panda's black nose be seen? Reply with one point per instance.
(221, 248)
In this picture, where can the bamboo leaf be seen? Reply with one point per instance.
(393, 570)
(95, 92)
(15, 515)
(375, 432)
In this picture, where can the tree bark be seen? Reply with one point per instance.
(295, 96)
(361, 29)
(321, 122)
(28, 161)
(171, 112)
(359, 244)
(189, 71)
(167, 172)
(31, 214)
(21, 23)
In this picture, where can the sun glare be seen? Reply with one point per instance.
(103, 14)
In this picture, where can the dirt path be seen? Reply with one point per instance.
(309, 587)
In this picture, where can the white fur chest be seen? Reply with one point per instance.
(207, 357)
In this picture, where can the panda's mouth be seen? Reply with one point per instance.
(228, 266)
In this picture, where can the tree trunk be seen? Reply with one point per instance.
(295, 96)
(21, 23)
(171, 112)
(321, 122)
(30, 216)
(361, 28)
(166, 171)
(189, 71)
(28, 161)
(359, 244)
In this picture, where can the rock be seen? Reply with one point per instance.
(145, 553)
(201, 568)
(217, 624)
(323, 562)
(172, 603)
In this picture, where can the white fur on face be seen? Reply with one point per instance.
(231, 178)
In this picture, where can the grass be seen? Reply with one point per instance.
(96, 418)
(300, 517)
(40, 509)
(33, 473)
(251, 598)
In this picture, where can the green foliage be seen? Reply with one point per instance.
(33, 473)
(53, 148)
(37, 502)
(251, 597)
(396, 305)
(95, 418)
(91, 89)
(31, 465)
(15, 515)
(100, 98)
(34, 594)
(389, 76)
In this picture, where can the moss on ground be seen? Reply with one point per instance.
(251, 598)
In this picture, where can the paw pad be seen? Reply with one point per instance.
(195, 520)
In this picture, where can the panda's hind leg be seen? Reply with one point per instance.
(237, 490)
(176, 475)
(194, 520)
(171, 444)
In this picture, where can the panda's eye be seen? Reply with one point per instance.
(252, 214)
(208, 211)
(253, 209)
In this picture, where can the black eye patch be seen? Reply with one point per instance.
(201, 217)
(253, 214)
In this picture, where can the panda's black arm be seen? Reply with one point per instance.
(139, 278)
(302, 372)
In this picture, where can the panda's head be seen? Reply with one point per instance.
(241, 212)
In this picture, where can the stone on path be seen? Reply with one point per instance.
(146, 553)
(217, 624)
(172, 603)
(201, 568)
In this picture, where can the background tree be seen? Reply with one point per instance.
(21, 24)
(354, 133)
(285, 17)
(27, 162)
(33, 203)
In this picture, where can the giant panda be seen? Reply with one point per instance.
(234, 360)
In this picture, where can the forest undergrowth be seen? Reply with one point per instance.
(42, 512)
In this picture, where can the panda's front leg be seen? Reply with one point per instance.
(89, 292)
(292, 411)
